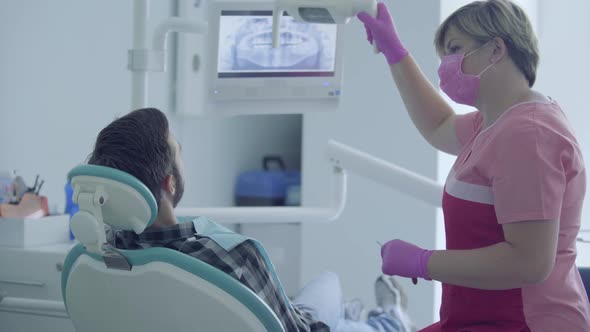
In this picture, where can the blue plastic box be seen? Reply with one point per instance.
(266, 187)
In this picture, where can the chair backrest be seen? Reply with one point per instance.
(154, 289)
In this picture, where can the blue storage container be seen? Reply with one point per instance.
(266, 187)
(71, 207)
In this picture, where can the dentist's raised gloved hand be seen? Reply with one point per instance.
(382, 31)
(405, 259)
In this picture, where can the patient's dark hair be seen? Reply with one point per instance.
(137, 143)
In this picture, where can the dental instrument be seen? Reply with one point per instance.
(34, 187)
(20, 187)
(414, 280)
(39, 188)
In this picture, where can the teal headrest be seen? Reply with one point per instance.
(127, 197)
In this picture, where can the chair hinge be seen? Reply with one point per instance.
(114, 259)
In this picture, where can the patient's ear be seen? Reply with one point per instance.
(169, 184)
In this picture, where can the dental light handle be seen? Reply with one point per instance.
(320, 11)
(276, 26)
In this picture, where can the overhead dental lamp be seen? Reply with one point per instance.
(319, 11)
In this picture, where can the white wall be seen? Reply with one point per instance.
(63, 77)
(372, 118)
(564, 37)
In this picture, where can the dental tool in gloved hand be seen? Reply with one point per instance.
(320, 11)
(382, 30)
(405, 260)
(414, 280)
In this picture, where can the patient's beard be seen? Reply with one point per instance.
(179, 182)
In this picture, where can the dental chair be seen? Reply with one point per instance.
(153, 289)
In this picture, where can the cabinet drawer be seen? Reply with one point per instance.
(31, 274)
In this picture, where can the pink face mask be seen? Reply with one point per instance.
(461, 88)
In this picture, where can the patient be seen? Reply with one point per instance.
(140, 143)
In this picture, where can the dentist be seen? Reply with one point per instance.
(513, 199)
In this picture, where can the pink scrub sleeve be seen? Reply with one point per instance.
(528, 173)
(466, 125)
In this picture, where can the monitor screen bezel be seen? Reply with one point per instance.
(215, 82)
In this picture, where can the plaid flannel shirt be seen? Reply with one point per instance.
(243, 262)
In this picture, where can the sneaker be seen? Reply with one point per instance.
(392, 299)
(353, 309)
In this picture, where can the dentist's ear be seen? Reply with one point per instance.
(500, 50)
(169, 184)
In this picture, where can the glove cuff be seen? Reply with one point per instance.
(396, 56)
(423, 264)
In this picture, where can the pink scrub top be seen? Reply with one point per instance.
(525, 166)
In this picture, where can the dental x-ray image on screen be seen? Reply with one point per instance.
(245, 47)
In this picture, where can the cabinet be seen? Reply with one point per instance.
(32, 273)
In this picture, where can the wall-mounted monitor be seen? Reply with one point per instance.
(243, 65)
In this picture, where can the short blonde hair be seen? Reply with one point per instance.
(486, 20)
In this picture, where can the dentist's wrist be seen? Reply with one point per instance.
(424, 258)
(395, 53)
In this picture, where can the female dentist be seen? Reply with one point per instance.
(512, 202)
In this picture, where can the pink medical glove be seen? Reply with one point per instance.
(405, 259)
(382, 31)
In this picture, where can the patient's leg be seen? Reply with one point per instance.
(323, 295)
